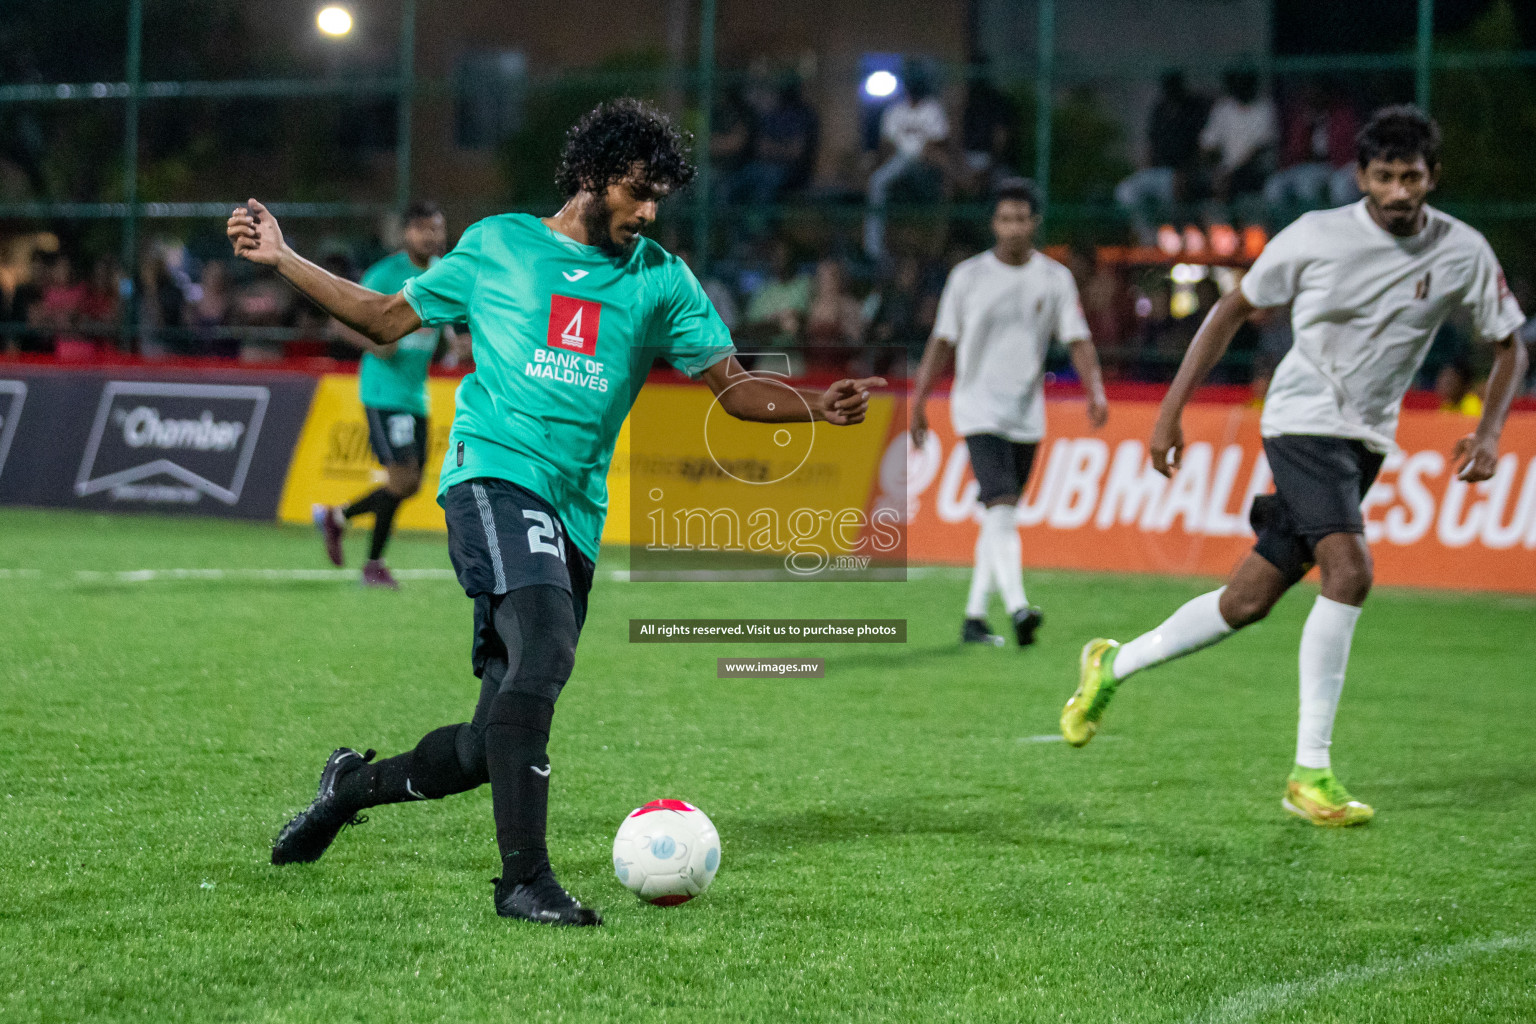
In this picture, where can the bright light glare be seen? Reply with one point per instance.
(880, 84)
(334, 21)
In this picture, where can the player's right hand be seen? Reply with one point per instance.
(254, 233)
(919, 426)
(1167, 446)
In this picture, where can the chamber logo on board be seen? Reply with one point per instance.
(13, 395)
(172, 443)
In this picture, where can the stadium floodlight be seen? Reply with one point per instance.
(881, 84)
(334, 21)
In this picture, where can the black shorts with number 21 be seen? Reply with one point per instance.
(501, 538)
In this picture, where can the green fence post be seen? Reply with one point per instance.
(701, 144)
(404, 102)
(1424, 54)
(1045, 73)
(129, 311)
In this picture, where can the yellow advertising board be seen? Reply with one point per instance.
(334, 465)
(692, 450)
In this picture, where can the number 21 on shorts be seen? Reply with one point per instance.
(543, 533)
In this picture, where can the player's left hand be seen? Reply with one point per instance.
(847, 401)
(1098, 411)
(1475, 458)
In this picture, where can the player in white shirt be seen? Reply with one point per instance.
(1369, 284)
(997, 316)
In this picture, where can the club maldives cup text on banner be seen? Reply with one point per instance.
(1096, 503)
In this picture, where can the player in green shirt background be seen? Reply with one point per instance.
(392, 383)
(568, 313)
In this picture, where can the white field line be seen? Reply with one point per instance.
(253, 575)
(1255, 1001)
(132, 576)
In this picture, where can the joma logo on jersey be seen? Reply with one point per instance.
(573, 324)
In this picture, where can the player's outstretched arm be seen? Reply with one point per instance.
(937, 357)
(1204, 353)
(1477, 455)
(747, 396)
(383, 319)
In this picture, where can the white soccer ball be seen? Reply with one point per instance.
(666, 852)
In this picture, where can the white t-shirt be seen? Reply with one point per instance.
(909, 127)
(1237, 130)
(1001, 320)
(1365, 306)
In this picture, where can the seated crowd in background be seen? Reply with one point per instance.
(1239, 157)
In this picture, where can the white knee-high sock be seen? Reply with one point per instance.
(981, 578)
(1197, 623)
(1325, 643)
(1006, 552)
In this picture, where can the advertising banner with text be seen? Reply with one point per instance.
(136, 440)
(1095, 501)
(334, 465)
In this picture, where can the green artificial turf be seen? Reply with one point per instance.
(902, 839)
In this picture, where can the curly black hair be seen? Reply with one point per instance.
(606, 144)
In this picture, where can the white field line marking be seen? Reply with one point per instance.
(260, 575)
(1250, 1004)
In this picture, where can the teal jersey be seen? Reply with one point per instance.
(398, 381)
(564, 337)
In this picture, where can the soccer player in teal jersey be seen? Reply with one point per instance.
(392, 382)
(568, 313)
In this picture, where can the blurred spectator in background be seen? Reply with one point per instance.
(776, 310)
(1454, 388)
(784, 145)
(902, 322)
(58, 310)
(1317, 154)
(730, 144)
(210, 311)
(988, 133)
(834, 320)
(100, 306)
(720, 294)
(913, 131)
(339, 262)
(25, 293)
(1239, 139)
(1107, 303)
(1172, 174)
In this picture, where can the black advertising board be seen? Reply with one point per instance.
(205, 442)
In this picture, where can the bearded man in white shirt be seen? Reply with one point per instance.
(1369, 284)
(997, 317)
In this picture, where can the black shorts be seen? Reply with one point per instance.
(398, 438)
(501, 538)
(1319, 485)
(1001, 466)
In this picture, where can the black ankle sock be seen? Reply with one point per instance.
(516, 738)
(429, 772)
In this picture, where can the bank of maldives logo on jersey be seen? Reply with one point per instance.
(573, 324)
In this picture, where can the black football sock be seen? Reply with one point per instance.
(517, 760)
(370, 502)
(431, 771)
(383, 521)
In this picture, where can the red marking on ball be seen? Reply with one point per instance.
(663, 805)
(670, 901)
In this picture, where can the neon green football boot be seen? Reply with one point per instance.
(1096, 685)
(1316, 795)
